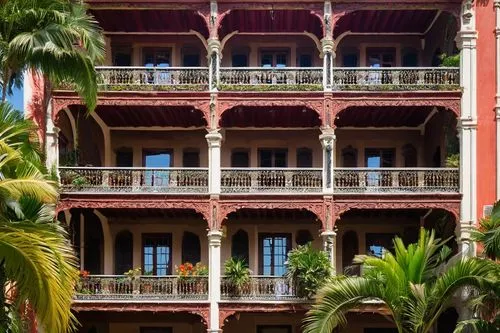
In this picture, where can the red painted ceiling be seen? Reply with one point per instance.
(410, 21)
(270, 117)
(151, 21)
(387, 116)
(271, 21)
(135, 116)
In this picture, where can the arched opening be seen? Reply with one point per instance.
(124, 247)
(94, 244)
(410, 156)
(447, 321)
(350, 248)
(239, 246)
(191, 248)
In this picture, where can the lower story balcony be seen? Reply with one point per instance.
(259, 180)
(122, 287)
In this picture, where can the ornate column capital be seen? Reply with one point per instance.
(327, 137)
(214, 238)
(214, 45)
(328, 45)
(214, 138)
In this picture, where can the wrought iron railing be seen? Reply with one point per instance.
(116, 287)
(116, 78)
(135, 180)
(287, 78)
(396, 78)
(396, 180)
(275, 180)
(260, 288)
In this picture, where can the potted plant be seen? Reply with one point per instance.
(189, 278)
(133, 276)
(309, 269)
(237, 274)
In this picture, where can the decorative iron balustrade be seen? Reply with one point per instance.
(261, 288)
(115, 78)
(271, 78)
(134, 180)
(396, 78)
(275, 180)
(121, 287)
(395, 180)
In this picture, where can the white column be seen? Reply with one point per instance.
(328, 59)
(330, 246)
(466, 41)
(214, 140)
(214, 276)
(214, 56)
(497, 95)
(327, 139)
(51, 141)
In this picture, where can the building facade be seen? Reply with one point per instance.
(229, 128)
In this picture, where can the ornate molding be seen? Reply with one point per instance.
(343, 205)
(451, 103)
(201, 103)
(200, 205)
(317, 207)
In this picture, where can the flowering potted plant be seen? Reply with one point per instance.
(82, 286)
(189, 278)
(133, 276)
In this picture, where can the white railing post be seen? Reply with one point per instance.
(214, 277)
(214, 54)
(328, 58)
(327, 139)
(214, 140)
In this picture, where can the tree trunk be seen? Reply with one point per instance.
(4, 319)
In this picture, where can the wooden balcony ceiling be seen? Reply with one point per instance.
(387, 116)
(138, 116)
(160, 214)
(387, 21)
(279, 216)
(270, 117)
(255, 21)
(150, 21)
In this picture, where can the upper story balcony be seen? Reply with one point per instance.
(270, 49)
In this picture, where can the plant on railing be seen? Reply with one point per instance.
(310, 269)
(82, 284)
(133, 274)
(238, 275)
(453, 161)
(449, 61)
(189, 277)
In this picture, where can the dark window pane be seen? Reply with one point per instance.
(350, 60)
(239, 246)
(124, 158)
(191, 159)
(123, 252)
(156, 330)
(273, 253)
(122, 59)
(191, 60)
(274, 329)
(266, 60)
(157, 254)
(191, 249)
(305, 60)
(240, 60)
(304, 158)
(266, 158)
(239, 159)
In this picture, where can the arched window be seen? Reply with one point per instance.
(349, 157)
(410, 156)
(191, 249)
(124, 249)
(350, 248)
(94, 243)
(239, 245)
(303, 237)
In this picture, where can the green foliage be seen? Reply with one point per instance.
(237, 273)
(450, 61)
(57, 38)
(414, 284)
(453, 161)
(488, 233)
(309, 269)
(271, 87)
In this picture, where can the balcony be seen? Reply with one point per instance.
(271, 79)
(261, 288)
(394, 180)
(276, 180)
(396, 79)
(154, 288)
(134, 180)
(152, 78)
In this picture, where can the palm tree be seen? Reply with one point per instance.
(56, 38)
(488, 233)
(413, 283)
(36, 259)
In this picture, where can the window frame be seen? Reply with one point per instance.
(261, 237)
(168, 237)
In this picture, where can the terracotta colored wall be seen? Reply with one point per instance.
(486, 137)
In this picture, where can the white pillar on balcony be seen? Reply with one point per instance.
(328, 62)
(51, 141)
(466, 41)
(214, 140)
(214, 278)
(327, 139)
(330, 245)
(214, 56)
